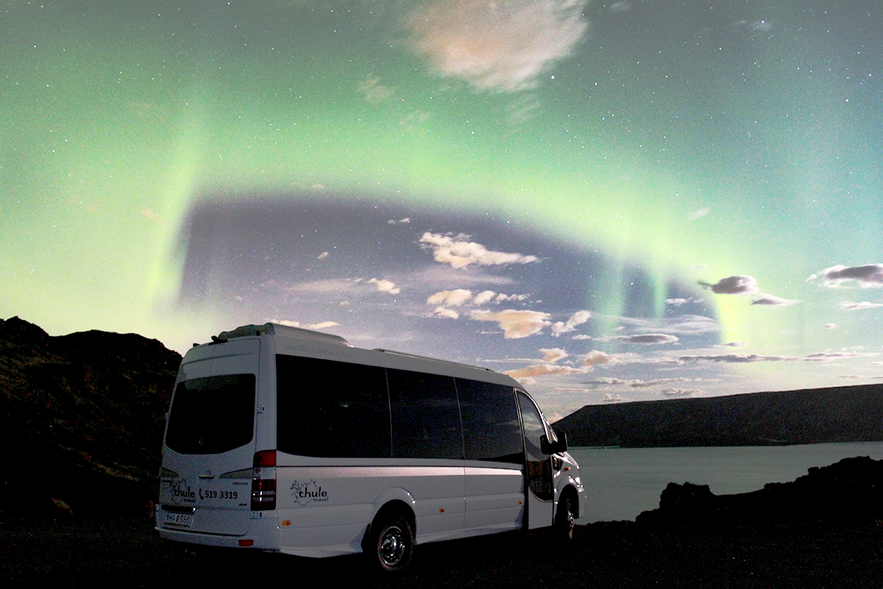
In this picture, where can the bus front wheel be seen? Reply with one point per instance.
(565, 519)
(392, 543)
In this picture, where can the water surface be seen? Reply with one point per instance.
(623, 482)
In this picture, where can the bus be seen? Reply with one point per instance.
(288, 440)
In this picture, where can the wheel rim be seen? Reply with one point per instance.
(392, 546)
(569, 519)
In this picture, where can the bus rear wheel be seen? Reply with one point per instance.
(392, 543)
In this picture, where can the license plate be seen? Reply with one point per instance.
(179, 519)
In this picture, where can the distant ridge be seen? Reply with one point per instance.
(837, 414)
(82, 420)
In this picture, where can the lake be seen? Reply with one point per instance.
(623, 482)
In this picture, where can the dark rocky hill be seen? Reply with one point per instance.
(837, 414)
(82, 420)
(849, 490)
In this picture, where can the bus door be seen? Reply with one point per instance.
(540, 493)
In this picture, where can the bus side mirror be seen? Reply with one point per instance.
(558, 447)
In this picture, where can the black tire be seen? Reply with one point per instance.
(565, 518)
(392, 543)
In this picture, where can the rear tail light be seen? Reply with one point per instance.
(263, 481)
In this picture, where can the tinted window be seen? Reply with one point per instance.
(425, 415)
(212, 415)
(331, 409)
(490, 422)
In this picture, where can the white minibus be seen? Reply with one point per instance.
(288, 440)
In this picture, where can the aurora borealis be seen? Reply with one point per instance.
(613, 201)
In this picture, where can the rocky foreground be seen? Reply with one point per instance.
(823, 530)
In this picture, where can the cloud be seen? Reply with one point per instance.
(496, 46)
(515, 324)
(733, 285)
(454, 298)
(320, 325)
(679, 393)
(322, 256)
(538, 370)
(571, 324)
(698, 214)
(849, 306)
(553, 354)
(483, 297)
(323, 325)
(647, 338)
(867, 276)
(613, 398)
(751, 358)
(773, 301)
(635, 383)
(731, 358)
(404, 221)
(595, 357)
(445, 313)
(681, 301)
(385, 286)
(685, 325)
(460, 253)
(373, 91)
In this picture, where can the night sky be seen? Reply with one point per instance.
(611, 201)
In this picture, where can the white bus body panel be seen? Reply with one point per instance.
(324, 505)
(210, 493)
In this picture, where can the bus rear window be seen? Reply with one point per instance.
(212, 415)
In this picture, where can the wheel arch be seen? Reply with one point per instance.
(387, 509)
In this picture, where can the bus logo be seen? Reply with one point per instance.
(308, 492)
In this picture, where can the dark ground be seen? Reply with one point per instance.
(129, 553)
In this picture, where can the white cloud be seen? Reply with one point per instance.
(483, 297)
(613, 398)
(385, 286)
(320, 325)
(454, 298)
(679, 393)
(496, 46)
(460, 253)
(515, 324)
(445, 313)
(698, 214)
(850, 306)
(553, 354)
(323, 325)
(571, 324)
(538, 370)
(773, 301)
(596, 357)
(404, 221)
(635, 383)
(867, 276)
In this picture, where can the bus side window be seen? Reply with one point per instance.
(491, 430)
(331, 409)
(425, 415)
